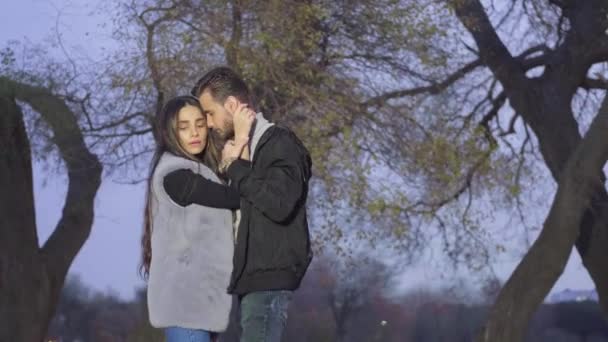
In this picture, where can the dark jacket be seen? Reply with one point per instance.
(272, 249)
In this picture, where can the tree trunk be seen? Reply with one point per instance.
(339, 314)
(558, 140)
(545, 105)
(24, 289)
(31, 277)
(546, 259)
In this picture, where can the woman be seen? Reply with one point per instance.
(188, 238)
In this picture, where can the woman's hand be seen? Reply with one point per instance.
(232, 149)
(231, 152)
(243, 120)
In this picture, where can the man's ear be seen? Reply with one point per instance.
(231, 103)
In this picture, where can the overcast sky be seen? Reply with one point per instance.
(109, 258)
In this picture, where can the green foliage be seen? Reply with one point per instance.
(386, 166)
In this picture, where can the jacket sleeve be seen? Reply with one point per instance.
(185, 187)
(277, 187)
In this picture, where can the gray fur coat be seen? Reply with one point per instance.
(192, 249)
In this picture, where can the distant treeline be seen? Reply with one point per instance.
(325, 309)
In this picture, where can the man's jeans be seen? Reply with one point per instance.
(264, 315)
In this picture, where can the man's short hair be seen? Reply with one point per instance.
(222, 82)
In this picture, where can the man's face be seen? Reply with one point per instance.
(219, 118)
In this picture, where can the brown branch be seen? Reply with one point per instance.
(232, 48)
(601, 54)
(587, 41)
(511, 128)
(497, 103)
(390, 60)
(534, 49)
(116, 123)
(528, 62)
(168, 14)
(120, 134)
(18, 234)
(216, 38)
(436, 205)
(430, 89)
(83, 169)
(594, 83)
(82, 103)
(154, 70)
(150, 57)
(558, 3)
(492, 51)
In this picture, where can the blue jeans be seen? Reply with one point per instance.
(176, 334)
(264, 315)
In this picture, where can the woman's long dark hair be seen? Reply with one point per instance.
(166, 137)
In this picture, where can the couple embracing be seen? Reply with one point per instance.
(225, 215)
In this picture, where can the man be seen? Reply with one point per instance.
(272, 250)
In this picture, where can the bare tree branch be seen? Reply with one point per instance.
(431, 89)
(232, 49)
(497, 103)
(594, 83)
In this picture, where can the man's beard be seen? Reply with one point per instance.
(224, 134)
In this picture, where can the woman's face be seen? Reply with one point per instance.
(192, 129)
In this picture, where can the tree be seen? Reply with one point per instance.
(73, 312)
(544, 102)
(32, 276)
(348, 290)
(143, 331)
(384, 169)
(546, 259)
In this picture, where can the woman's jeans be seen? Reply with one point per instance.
(176, 334)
